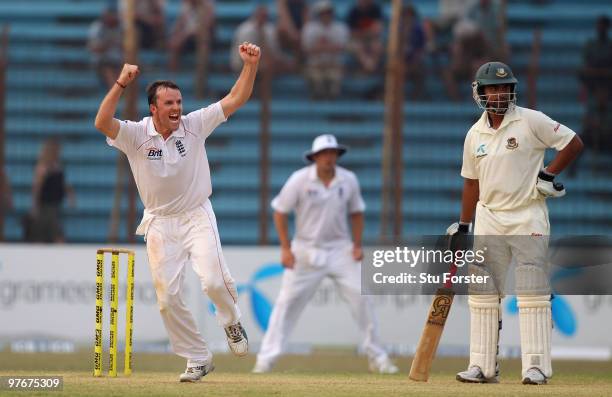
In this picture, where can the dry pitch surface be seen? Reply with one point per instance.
(322, 374)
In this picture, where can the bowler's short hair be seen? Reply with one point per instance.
(152, 89)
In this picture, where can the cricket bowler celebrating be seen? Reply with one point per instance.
(323, 196)
(505, 188)
(168, 159)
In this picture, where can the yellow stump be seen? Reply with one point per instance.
(129, 315)
(114, 307)
(99, 310)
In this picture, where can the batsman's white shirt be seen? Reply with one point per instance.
(507, 161)
(320, 212)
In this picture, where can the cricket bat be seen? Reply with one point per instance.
(428, 344)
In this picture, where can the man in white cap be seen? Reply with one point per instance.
(323, 195)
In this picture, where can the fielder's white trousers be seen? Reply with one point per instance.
(172, 242)
(297, 288)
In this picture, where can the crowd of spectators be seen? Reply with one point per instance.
(317, 39)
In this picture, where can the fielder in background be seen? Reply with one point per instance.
(505, 188)
(168, 159)
(323, 197)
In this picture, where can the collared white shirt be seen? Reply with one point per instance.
(321, 213)
(172, 176)
(506, 161)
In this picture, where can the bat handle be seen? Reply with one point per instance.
(453, 271)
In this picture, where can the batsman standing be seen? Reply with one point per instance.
(168, 159)
(323, 196)
(505, 188)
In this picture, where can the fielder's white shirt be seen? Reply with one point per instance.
(172, 176)
(507, 161)
(321, 213)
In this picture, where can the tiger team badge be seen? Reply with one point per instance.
(511, 144)
(501, 72)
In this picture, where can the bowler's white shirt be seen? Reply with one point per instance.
(321, 213)
(507, 161)
(172, 176)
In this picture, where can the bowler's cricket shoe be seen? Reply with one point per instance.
(474, 375)
(383, 366)
(534, 377)
(237, 339)
(194, 374)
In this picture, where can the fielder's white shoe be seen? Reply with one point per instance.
(534, 377)
(194, 374)
(261, 367)
(383, 366)
(237, 339)
(474, 375)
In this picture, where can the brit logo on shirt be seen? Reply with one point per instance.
(154, 153)
(180, 148)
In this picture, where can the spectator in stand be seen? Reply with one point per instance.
(194, 15)
(150, 21)
(291, 18)
(486, 14)
(324, 41)
(48, 191)
(104, 43)
(596, 77)
(414, 50)
(439, 31)
(365, 20)
(259, 30)
(469, 50)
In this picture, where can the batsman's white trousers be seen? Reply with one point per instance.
(297, 288)
(172, 242)
(521, 234)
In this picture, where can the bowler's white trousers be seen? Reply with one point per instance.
(172, 242)
(297, 288)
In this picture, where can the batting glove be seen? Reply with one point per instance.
(547, 186)
(457, 233)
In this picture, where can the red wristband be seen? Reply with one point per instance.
(120, 85)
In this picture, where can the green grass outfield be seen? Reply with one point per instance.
(322, 374)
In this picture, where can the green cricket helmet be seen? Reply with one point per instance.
(494, 73)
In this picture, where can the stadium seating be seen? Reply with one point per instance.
(52, 91)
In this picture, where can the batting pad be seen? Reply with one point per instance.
(484, 332)
(532, 280)
(536, 331)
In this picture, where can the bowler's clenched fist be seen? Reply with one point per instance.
(249, 53)
(128, 74)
